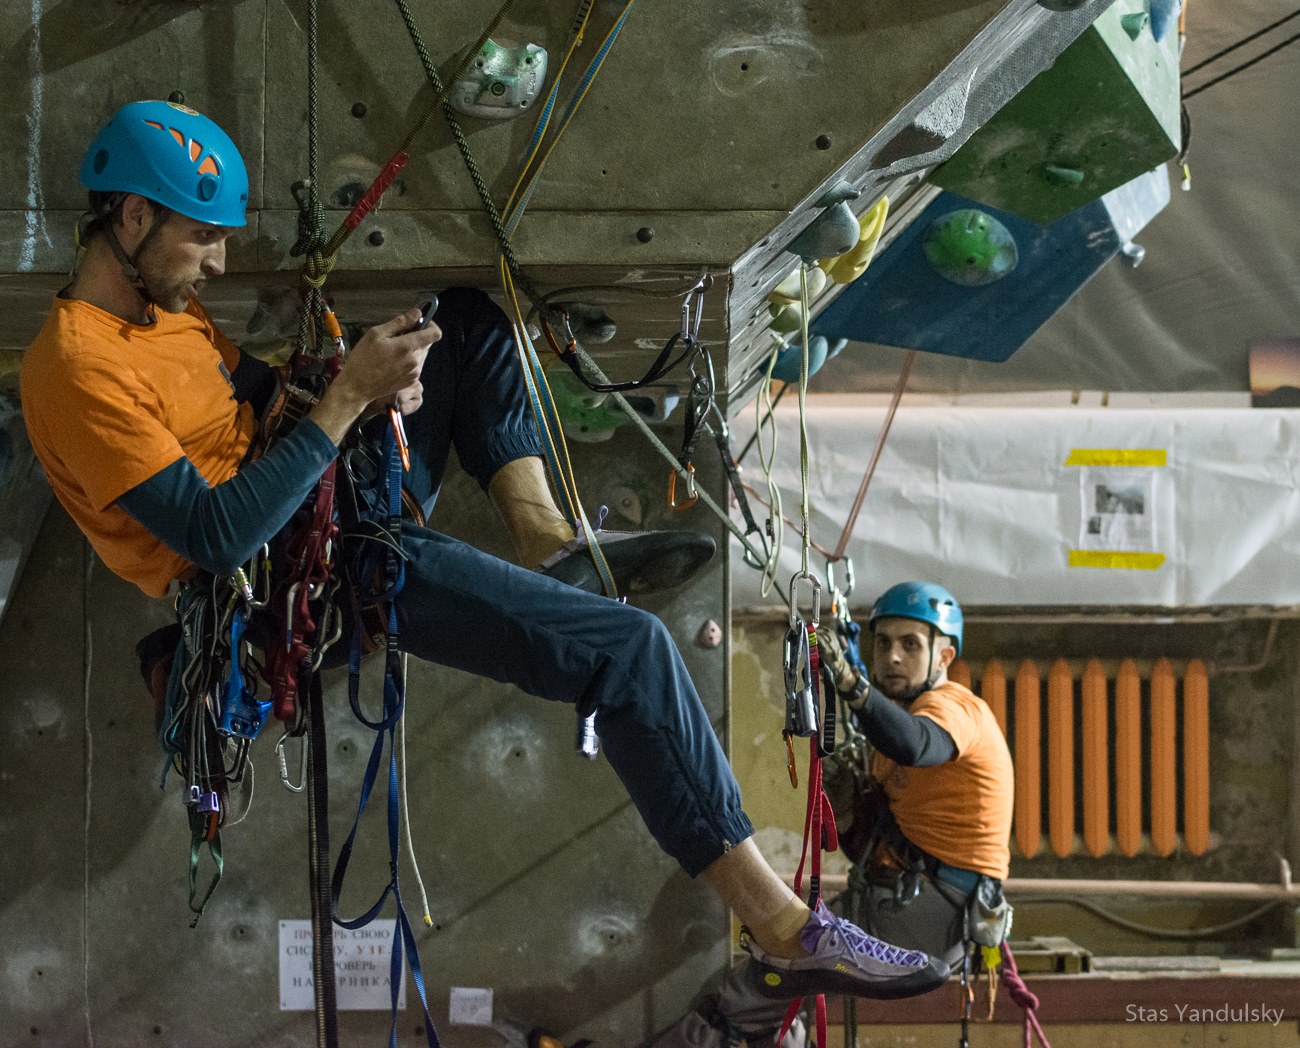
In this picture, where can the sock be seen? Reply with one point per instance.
(779, 934)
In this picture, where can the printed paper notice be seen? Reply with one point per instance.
(1118, 509)
(363, 960)
(470, 1006)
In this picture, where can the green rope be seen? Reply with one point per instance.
(310, 209)
(462, 143)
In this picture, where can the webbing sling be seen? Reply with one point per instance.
(381, 563)
(819, 832)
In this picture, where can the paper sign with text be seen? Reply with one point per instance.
(363, 960)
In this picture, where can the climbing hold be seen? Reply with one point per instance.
(834, 231)
(835, 348)
(501, 82)
(788, 290)
(1133, 23)
(1063, 176)
(970, 247)
(847, 267)
(1164, 13)
(787, 318)
(582, 413)
(710, 635)
(789, 359)
(627, 504)
(590, 324)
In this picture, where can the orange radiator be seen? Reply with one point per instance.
(1104, 753)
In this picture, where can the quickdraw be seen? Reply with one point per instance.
(211, 712)
(820, 833)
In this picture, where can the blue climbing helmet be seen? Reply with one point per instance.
(173, 156)
(923, 601)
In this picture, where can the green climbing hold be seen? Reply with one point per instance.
(970, 247)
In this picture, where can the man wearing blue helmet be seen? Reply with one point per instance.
(143, 414)
(933, 832)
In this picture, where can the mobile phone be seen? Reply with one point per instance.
(427, 310)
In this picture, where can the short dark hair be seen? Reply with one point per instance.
(105, 209)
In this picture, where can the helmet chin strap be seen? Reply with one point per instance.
(130, 268)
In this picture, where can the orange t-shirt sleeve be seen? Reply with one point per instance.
(108, 430)
(954, 712)
(230, 353)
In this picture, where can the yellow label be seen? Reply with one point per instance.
(1117, 457)
(772, 979)
(1100, 558)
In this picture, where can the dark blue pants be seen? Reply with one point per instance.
(543, 636)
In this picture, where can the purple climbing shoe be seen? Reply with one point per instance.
(846, 960)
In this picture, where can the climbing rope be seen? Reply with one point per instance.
(847, 531)
(1023, 996)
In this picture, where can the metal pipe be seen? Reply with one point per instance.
(1259, 663)
(1027, 887)
(1101, 617)
(1030, 887)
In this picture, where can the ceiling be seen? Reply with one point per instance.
(1222, 262)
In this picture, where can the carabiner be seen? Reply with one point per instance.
(816, 597)
(692, 493)
(693, 310)
(241, 586)
(284, 765)
(800, 698)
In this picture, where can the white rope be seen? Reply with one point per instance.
(766, 460)
(806, 537)
(406, 812)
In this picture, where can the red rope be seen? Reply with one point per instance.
(819, 833)
(1023, 996)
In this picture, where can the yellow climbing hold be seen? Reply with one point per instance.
(846, 268)
(786, 319)
(788, 291)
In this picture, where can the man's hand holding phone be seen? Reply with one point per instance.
(383, 370)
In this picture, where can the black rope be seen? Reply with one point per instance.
(318, 856)
(1240, 43)
(310, 209)
(1245, 65)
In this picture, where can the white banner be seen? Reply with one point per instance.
(1047, 506)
